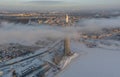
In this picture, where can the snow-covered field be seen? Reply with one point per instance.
(93, 62)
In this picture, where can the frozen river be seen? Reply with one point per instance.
(93, 62)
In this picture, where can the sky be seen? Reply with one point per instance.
(63, 4)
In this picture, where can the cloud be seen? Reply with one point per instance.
(43, 2)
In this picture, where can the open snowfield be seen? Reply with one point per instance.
(93, 62)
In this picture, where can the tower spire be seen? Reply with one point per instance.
(67, 18)
(67, 51)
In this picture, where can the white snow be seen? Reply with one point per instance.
(66, 60)
(35, 53)
(93, 62)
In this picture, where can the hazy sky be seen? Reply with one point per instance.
(48, 4)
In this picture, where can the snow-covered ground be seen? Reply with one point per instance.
(93, 62)
(31, 61)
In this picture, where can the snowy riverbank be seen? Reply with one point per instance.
(93, 62)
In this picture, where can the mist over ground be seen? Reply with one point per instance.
(96, 24)
(29, 34)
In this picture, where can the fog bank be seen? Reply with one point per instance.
(29, 34)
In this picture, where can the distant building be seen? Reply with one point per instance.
(67, 18)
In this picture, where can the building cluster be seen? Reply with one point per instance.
(58, 19)
(103, 34)
(55, 20)
(40, 66)
(111, 33)
(13, 51)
